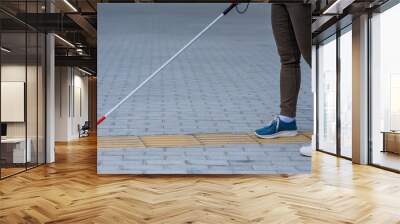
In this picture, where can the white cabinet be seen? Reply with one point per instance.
(19, 154)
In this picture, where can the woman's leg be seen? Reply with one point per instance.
(300, 17)
(290, 55)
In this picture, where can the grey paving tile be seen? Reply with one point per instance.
(247, 154)
(124, 163)
(165, 171)
(120, 172)
(209, 162)
(211, 171)
(165, 162)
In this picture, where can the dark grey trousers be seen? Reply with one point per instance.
(291, 24)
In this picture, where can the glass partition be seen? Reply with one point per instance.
(326, 60)
(14, 153)
(23, 91)
(31, 99)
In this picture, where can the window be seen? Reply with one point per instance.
(385, 89)
(346, 74)
(326, 60)
(334, 64)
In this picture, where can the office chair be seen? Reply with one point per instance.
(84, 130)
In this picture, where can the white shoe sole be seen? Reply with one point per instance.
(306, 151)
(279, 134)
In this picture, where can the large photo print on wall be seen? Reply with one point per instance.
(204, 88)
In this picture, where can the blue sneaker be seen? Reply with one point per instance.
(277, 128)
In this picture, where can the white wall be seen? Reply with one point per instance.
(62, 81)
(79, 112)
(70, 83)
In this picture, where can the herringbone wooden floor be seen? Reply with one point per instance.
(70, 191)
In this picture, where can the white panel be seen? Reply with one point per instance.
(12, 101)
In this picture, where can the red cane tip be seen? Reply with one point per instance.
(101, 120)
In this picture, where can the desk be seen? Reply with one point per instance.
(18, 149)
(391, 141)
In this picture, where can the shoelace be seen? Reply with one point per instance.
(277, 120)
(277, 123)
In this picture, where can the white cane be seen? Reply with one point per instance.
(227, 10)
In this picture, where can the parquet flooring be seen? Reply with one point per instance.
(70, 191)
(10, 171)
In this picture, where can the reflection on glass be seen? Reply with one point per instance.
(22, 90)
(31, 100)
(385, 87)
(346, 93)
(32, 87)
(41, 98)
(14, 150)
(327, 96)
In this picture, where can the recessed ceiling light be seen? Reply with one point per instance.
(84, 71)
(64, 40)
(5, 50)
(337, 7)
(70, 5)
